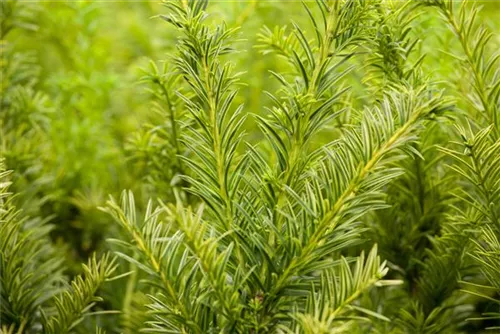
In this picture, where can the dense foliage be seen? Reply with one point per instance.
(328, 166)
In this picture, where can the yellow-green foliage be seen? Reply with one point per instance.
(327, 166)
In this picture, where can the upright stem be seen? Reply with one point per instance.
(219, 156)
(296, 150)
(491, 115)
(173, 123)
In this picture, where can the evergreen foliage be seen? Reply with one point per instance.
(337, 174)
(35, 294)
